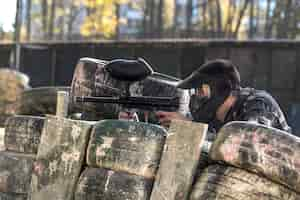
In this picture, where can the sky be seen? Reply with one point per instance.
(7, 14)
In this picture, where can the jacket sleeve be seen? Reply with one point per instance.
(259, 111)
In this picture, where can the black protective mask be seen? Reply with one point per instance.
(203, 109)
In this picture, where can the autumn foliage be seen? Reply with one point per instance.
(102, 17)
(122, 19)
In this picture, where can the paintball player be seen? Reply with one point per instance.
(218, 98)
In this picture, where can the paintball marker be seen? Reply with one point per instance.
(131, 71)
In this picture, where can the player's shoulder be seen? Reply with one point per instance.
(252, 94)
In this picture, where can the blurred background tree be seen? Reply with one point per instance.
(51, 20)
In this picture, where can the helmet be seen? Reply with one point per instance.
(215, 69)
(222, 77)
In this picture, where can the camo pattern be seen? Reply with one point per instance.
(267, 151)
(10, 196)
(132, 147)
(39, 101)
(15, 172)
(12, 84)
(97, 183)
(60, 159)
(3, 118)
(220, 182)
(23, 133)
(90, 79)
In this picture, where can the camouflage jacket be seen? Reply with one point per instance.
(258, 106)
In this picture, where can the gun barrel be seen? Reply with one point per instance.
(144, 102)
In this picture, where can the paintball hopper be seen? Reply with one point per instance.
(129, 70)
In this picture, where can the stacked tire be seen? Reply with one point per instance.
(39, 101)
(251, 162)
(205, 159)
(21, 140)
(12, 83)
(122, 160)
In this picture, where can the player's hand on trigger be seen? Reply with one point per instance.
(128, 116)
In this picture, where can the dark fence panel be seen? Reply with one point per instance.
(163, 59)
(269, 65)
(36, 62)
(113, 50)
(64, 59)
(5, 52)
(191, 59)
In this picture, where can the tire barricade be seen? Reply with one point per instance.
(250, 161)
(122, 160)
(21, 139)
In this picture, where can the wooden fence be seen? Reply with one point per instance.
(270, 65)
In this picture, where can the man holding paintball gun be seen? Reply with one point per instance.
(218, 98)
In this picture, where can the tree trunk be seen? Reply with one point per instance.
(251, 22)
(240, 17)
(152, 17)
(296, 18)
(175, 18)
(276, 21)
(44, 17)
(28, 21)
(145, 19)
(204, 19)
(52, 20)
(189, 15)
(256, 30)
(71, 19)
(18, 21)
(160, 18)
(219, 19)
(117, 31)
(284, 25)
(17, 34)
(232, 11)
(61, 22)
(267, 20)
(211, 18)
(2, 34)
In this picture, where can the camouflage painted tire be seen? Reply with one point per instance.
(131, 147)
(23, 133)
(3, 118)
(266, 151)
(230, 183)
(98, 183)
(12, 84)
(15, 172)
(11, 196)
(90, 79)
(39, 101)
(204, 162)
